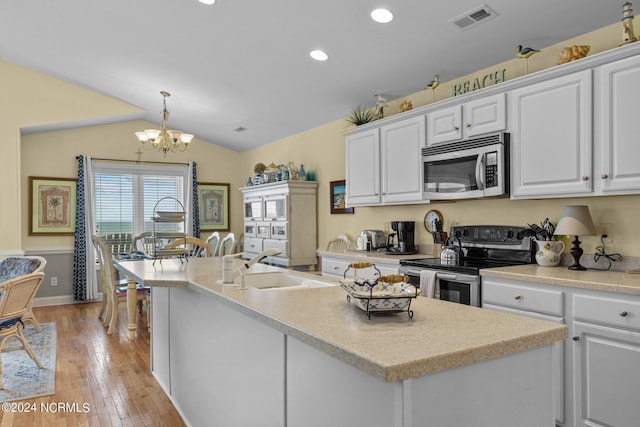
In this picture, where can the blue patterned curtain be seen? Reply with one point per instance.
(80, 245)
(194, 200)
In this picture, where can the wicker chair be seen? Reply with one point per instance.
(114, 291)
(17, 298)
(13, 267)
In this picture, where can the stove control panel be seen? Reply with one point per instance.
(492, 234)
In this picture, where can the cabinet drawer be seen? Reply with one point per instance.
(252, 244)
(283, 245)
(333, 267)
(523, 298)
(607, 311)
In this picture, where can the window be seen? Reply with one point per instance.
(125, 197)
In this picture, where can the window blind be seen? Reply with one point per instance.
(126, 195)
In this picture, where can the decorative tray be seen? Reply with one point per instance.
(385, 294)
(170, 215)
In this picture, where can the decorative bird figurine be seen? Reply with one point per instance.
(433, 84)
(524, 52)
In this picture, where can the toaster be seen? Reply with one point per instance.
(376, 238)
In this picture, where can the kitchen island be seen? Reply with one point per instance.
(307, 357)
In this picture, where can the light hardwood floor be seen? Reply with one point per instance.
(109, 373)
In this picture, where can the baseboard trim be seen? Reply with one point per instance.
(60, 300)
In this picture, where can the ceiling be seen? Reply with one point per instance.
(245, 63)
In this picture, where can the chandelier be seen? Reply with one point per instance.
(165, 140)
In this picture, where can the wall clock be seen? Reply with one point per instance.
(430, 218)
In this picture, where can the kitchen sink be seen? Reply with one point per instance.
(276, 280)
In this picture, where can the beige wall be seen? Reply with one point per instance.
(36, 99)
(54, 154)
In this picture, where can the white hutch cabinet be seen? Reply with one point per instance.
(281, 215)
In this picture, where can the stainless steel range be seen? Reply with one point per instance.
(479, 246)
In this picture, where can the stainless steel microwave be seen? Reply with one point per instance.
(469, 169)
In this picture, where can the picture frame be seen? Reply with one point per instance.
(213, 206)
(338, 195)
(52, 206)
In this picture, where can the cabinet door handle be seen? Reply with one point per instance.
(517, 297)
(623, 313)
(585, 178)
(456, 128)
(604, 176)
(468, 125)
(575, 338)
(336, 268)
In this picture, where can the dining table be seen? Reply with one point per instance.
(121, 264)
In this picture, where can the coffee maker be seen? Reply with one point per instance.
(404, 233)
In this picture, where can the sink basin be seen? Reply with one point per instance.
(279, 280)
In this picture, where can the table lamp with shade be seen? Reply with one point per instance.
(575, 221)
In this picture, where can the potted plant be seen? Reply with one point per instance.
(549, 252)
(360, 115)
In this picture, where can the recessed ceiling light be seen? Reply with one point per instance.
(208, 1)
(383, 16)
(318, 55)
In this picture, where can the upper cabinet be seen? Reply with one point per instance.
(618, 169)
(477, 117)
(551, 137)
(363, 168)
(384, 164)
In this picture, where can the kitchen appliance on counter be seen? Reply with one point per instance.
(404, 234)
(371, 240)
(480, 246)
(473, 168)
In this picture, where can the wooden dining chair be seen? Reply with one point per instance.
(143, 242)
(196, 247)
(227, 245)
(114, 291)
(214, 240)
(340, 243)
(17, 297)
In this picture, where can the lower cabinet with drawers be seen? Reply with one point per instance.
(598, 367)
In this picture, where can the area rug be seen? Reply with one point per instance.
(21, 377)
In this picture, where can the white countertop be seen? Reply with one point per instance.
(609, 281)
(391, 347)
(379, 257)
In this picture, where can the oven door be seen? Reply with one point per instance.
(454, 287)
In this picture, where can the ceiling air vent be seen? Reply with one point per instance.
(472, 18)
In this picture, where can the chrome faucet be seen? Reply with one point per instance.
(229, 273)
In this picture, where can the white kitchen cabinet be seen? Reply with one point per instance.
(471, 119)
(529, 300)
(551, 137)
(363, 168)
(282, 215)
(400, 146)
(618, 169)
(384, 165)
(606, 338)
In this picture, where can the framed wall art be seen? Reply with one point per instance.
(213, 209)
(338, 193)
(52, 206)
